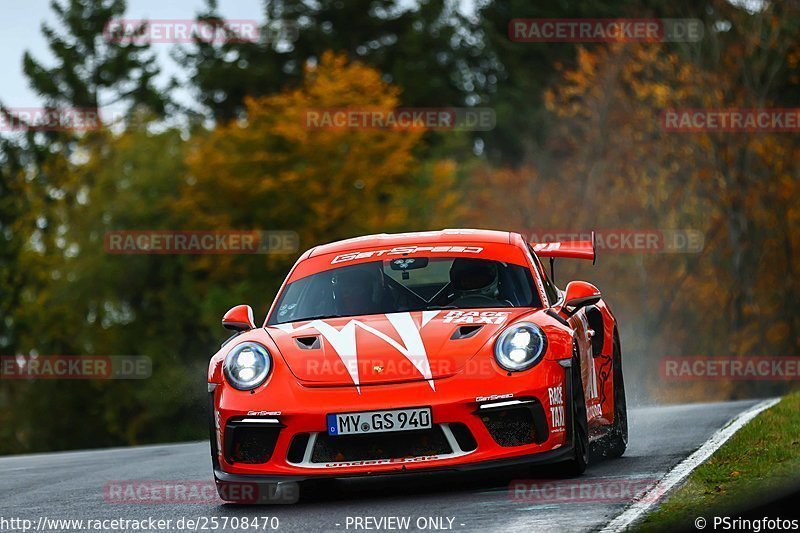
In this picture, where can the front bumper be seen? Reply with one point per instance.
(295, 410)
(271, 489)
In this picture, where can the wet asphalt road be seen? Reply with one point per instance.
(71, 486)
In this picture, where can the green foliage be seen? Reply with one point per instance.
(759, 460)
(88, 62)
(429, 50)
(94, 303)
(576, 146)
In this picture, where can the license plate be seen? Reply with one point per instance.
(379, 421)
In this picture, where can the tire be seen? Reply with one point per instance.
(618, 439)
(580, 424)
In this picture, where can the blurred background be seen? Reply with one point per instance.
(209, 135)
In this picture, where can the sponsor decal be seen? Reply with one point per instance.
(476, 317)
(594, 411)
(374, 462)
(606, 369)
(592, 393)
(594, 408)
(403, 250)
(557, 419)
(218, 432)
(539, 283)
(623, 241)
(404, 263)
(594, 400)
(344, 343)
(494, 397)
(546, 247)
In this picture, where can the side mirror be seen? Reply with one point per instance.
(239, 318)
(579, 294)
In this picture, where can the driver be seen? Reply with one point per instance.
(358, 290)
(474, 278)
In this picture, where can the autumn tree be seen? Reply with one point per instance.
(609, 162)
(273, 171)
(93, 68)
(428, 48)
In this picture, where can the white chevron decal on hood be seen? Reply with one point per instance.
(343, 341)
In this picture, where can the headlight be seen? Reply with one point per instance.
(520, 346)
(247, 365)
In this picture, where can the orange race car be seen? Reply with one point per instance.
(416, 352)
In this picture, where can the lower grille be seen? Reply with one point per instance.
(516, 425)
(297, 448)
(376, 446)
(464, 438)
(249, 444)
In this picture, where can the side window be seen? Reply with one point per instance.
(549, 288)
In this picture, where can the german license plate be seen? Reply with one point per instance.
(379, 421)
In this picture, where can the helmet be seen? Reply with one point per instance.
(474, 277)
(358, 289)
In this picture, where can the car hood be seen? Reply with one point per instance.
(390, 348)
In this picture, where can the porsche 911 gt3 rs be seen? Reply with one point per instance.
(417, 352)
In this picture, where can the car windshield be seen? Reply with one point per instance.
(406, 284)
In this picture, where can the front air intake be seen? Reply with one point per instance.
(376, 446)
(515, 422)
(250, 442)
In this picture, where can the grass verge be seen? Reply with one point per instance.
(753, 465)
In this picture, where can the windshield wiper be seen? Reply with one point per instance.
(434, 307)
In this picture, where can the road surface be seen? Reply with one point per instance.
(71, 485)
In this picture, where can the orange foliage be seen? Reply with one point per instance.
(271, 171)
(610, 163)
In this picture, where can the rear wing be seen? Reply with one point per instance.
(568, 249)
